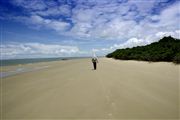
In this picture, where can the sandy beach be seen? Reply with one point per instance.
(71, 89)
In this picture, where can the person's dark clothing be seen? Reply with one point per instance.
(94, 61)
(94, 64)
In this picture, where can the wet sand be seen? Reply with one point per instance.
(71, 89)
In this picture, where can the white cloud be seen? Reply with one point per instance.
(132, 42)
(20, 50)
(175, 34)
(171, 16)
(30, 4)
(38, 21)
(83, 15)
(65, 10)
(115, 29)
(143, 7)
(58, 25)
(53, 11)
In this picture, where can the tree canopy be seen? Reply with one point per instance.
(166, 49)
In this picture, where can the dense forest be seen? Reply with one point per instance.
(167, 49)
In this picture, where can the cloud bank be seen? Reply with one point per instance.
(32, 50)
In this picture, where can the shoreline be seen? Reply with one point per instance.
(10, 70)
(24, 61)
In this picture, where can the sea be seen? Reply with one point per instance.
(10, 62)
(23, 69)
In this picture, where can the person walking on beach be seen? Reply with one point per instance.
(94, 61)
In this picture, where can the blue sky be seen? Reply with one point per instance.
(64, 28)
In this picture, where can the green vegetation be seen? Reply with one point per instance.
(167, 49)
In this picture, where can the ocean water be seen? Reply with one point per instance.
(33, 60)
(22, 69)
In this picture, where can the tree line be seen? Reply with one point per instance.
(166, 49)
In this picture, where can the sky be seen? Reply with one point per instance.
(76, 28)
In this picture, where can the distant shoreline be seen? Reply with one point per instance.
(9, 62)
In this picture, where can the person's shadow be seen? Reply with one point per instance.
(93, 69)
